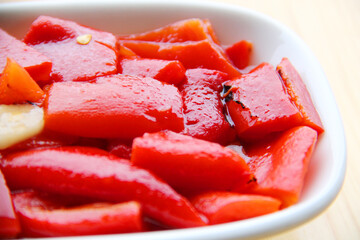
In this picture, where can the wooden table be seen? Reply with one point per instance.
(331, 28)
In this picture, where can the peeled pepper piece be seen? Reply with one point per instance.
(94, 173)
(222, 207)
(258, 104)
(280, 165)
(193, 29)
(40, 216)
(299, 94)
(78, 53)
(240, 53)
(203, 109)
(17, 86)
(169, 71)
(35, 63)
(192, 54)
(188, 164)
(116, 106)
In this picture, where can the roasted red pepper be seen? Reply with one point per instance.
(208, 54)
(280, 165)
(222, 207)
(17, 86)
(203, 109)
(116, 106)
(188, 164)
(168, 71)
(73, 58)
(193, 29)
(9, 223)
(41, 216)
(259, 105)
(153, 100)
(94, 173)
(35, 63)
(240, 53)
(299, 94)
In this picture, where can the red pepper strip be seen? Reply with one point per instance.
(280, 165)
(169, 71)
(270, 111)
(203, 110)
(41, 217)
(208, 54)
(188, 164)
(9, 224)
(115, 106)
(90, 172)
(299, 95)
(17, 86)
(240, 53)
(71, 61)
(221, 207)
(193, 29)
(35, 63)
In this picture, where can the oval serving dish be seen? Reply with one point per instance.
(272, 41)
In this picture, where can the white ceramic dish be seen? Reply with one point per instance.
(272, 41)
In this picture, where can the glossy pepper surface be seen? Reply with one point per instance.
(203, 109)
(169, 71)
(259, 105)
(37, 64)
(17, 86)
(94, 173)
(299, 94)
(208, 54)
(116, 106)
(42, 217)
(222, 207)
(73, 59)
(280, 165)
(193, 29)
(188, 164)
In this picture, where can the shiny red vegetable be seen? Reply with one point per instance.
(37, 64)
(160, 103)
(41, 216)
(116, 106)
(193, 29)
(73, 59)
(240, 53)
(17, 86)
(203, 109)
(259, 105)
(222, 207)
(280, 165)
(94, 173)
(189, 164)
(299, 94)
(168, 71)
(208, 54)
